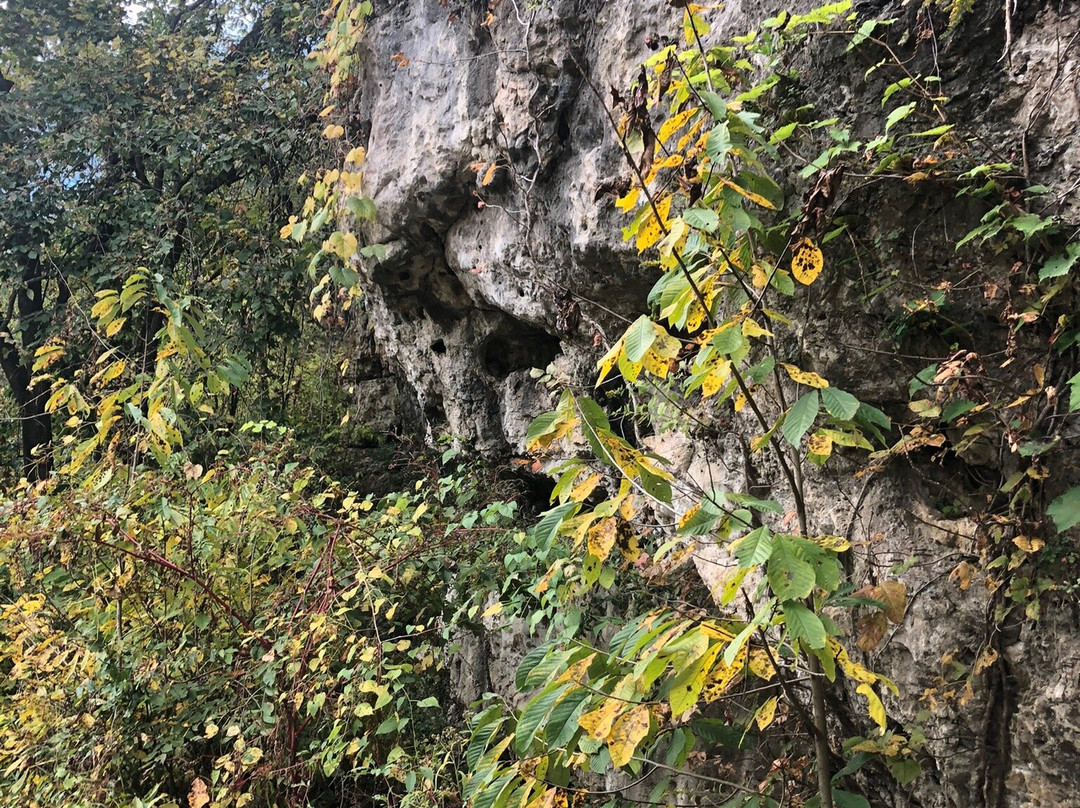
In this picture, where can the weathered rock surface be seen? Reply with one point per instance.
(484, 281)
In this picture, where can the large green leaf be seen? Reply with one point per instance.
(638, 338)
(839, 404)
(1065, 510)
(790, 576)
(804, 625)
(534, 714)
(800, 417)
(754, 548)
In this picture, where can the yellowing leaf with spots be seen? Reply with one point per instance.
(628, 731)
(688, 683)
(760, 665)
(820, 444)
(675, 123)
(653, 228)
(602, 538)
(597, 723)
(806, 262)
(656, 365)
(805, 377)
(576, 672)
(766, 713)
(722, 676)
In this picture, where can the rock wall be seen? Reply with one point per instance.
(483, 282)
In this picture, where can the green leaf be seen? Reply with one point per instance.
(839, 404)
(1031, 224)
(1061, 263)
(562, 723)
(729, 340)
(702, 219)
(530, 661)
(845, 799)
(714, 103)
(804, 625)
(655, 485)
(639, 338)
(534, 714)
(362, 207)
(898, 115)
(790, 576)
(1065, 510)
(754, 548)
(430, 701)
(800, 417)
(719, 143)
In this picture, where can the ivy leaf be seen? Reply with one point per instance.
(639, 338)
(800, 417)
(839, 404)
(791, 577)
(1065, 510)
(804, 625)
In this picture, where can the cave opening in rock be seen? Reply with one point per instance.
(504, 353)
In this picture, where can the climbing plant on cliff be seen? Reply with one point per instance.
(700, 130)
(700, 196)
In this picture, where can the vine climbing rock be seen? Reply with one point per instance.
(493, 166)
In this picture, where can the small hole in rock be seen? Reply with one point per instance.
(439, 347)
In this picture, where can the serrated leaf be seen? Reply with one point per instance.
(754, 548)
(804, 625)
(790, 576)
(1061, 263)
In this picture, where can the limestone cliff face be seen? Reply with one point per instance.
(483, 282)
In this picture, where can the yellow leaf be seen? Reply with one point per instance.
(722, 676)
(492, 610)
(875, 708)
(576, 672)
(607, 362)
(602, 538)
(656, 365)
(597, 723)
(761, 665)
(675, 123)
(628, 201)
(1029, 544)
(489, 175)
(750, 328)
(757, 199)
(962, 574)
(333, 131)
(986, 659)
(654, 227)
(627, 733)
(760, 277)
(198, 796)
(806, 262)
(805, 377)
(581, 491)
(356, 156)
(820, 444)
(765, 714)
(686, 517)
